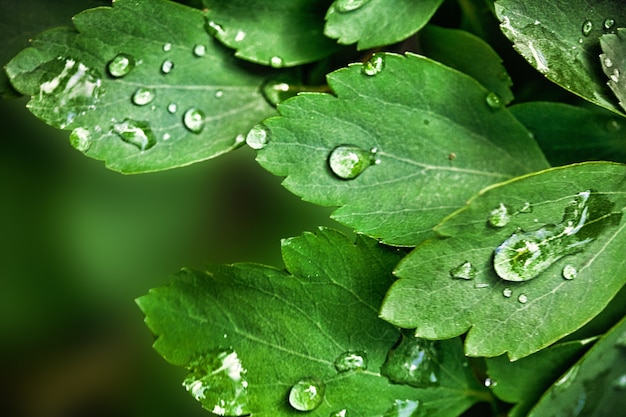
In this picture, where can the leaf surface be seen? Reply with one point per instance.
(414, 129)
(561, 40)
(283, 327)
(512, 264)
(613, 62)
(373, 23)
(142, 85)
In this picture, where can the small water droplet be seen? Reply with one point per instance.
(121, 65)
(615, 76)
(351, 361)
(451, 156)
(613, 126)
(523, 298)
(500, 216)
(136, 133)
(374, 66)
(414, 361)
(620, 382)
(490, 383)
(609, 23)
(193, 119)
(166, 136)
(167, 66)
(241, 35)
(172, 107)
(199, 50)
(143, 96)
(402, 408)
(481, 285)
(307, 394)
(340, 413)
(276, 91)
(493, 101)
(464, 271)
(167, 47)
(569, 272)
(587, 27)
(581, 41)
(257, 137)
(608, 62)
(345, 6)
(80, 139)
(219, 94)
(214, 28)
(507, 292)
(348, 162)
(277, 62)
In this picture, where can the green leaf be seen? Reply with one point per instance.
(280, 34)
(469, 54)
(184, 98)
(613, 61)
(561, 40)
(524, 381)
(569, 134)
(595, 385)
(270, 330)
(524, 264)
(374, 23)
(414, 128)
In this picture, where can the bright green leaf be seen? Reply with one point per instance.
(142, 85)
(388, 145)
(377, 22)
(469, 54)
(545, 254)
(561, 40)
(276, 33)
(254, 332)
(613, 62)
(569, 134)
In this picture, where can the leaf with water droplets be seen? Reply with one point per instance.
(561, 40)
(406, 131)
(374, 23)
(518, 300)
(613, 62)
(279, 34)
(269, 342)
(151, 63)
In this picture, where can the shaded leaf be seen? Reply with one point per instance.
(311, 324)
(377, 22)
(613, 62)
(561, 40)
(414, 129)
(142, 85)
(545, 252)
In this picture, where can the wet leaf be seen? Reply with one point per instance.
(613, 62)
(546, 249)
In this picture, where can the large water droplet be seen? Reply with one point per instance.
(464, 271)
(121, 65)
(351, 361)
(493, 101)
(402, 408)
(500, 216)
(143, 96)
(569, 272)
(199, 50)
(80, 139)
(167, 66)
(609, 23)
(345, 6)
(307, 394)
(136, 133)
(374, 66)
(277, 62)
(587, 27)
(414, 361)
(257, 137)
(348, 162)
(218, 383)
(193, 119)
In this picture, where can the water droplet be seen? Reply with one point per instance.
(121, 65)
(348, 162)
(167, 47)
(507, 292)
(490, 383)
(80, 139)
(608, 62)
(526, 208)
(277, 62)
(523, 298)
(374, 66)
(499, 217)
(219, 93)
(451, 156)
(199, 50)
(402, 408)
(307, 394)
(481, 285)
(609, 23)
(143, 96)
(351, 361)
(569, 272)
(218, 382)
(136, 133)
(464, 271)
(257, 137)
(275, 92)
(172, 107)
(214, 28)
(239, 139)
(620, 382)
(493, 101)
(340, 413)
(587, 27)
(167, 66)
(166, 136)
(241, 35)
(193, 119)
(541, 62)
(345, 6)
(615, 76)
(414, 361)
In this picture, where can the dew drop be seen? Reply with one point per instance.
(166, 136)
(80, 139)
(241, 35)
(615, 76)
(257, 137)
(143, 96)
(499, 216)
(214, 28)
(620, 382)
(608, 62)
(402, 408)
(136, 133)
(172, 107)
(374, 66)
(239, 139)
(307, 394)
(351, 361)
(219, 93)
(609, 23)
(490, 383)
(199, 50)
(587, 27)
(167, 66)
(348, 162)
(340, 413)
(569, 272)
(345, 6)
(414, 361)
(167, 47)
(121, 65)
(193, 119)
(277, 62)
(523, 298)
(507, 292)
(464, 271)
(493, 101)
(275, 92)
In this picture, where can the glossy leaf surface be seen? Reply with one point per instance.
(613, 62)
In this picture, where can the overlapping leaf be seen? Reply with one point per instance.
(431, 134)
(561, 40)
(142, 84)
(556, 239)
(613, 62)
(248, 333)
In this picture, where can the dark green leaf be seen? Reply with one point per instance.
(266, 330)
(184, 100)
(272, 32)
(613, 62)
(568, 134)
(524, 264)
(377, 22)
(415, 128)
(561, 40)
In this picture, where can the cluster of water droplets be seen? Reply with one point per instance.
(587, 27)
